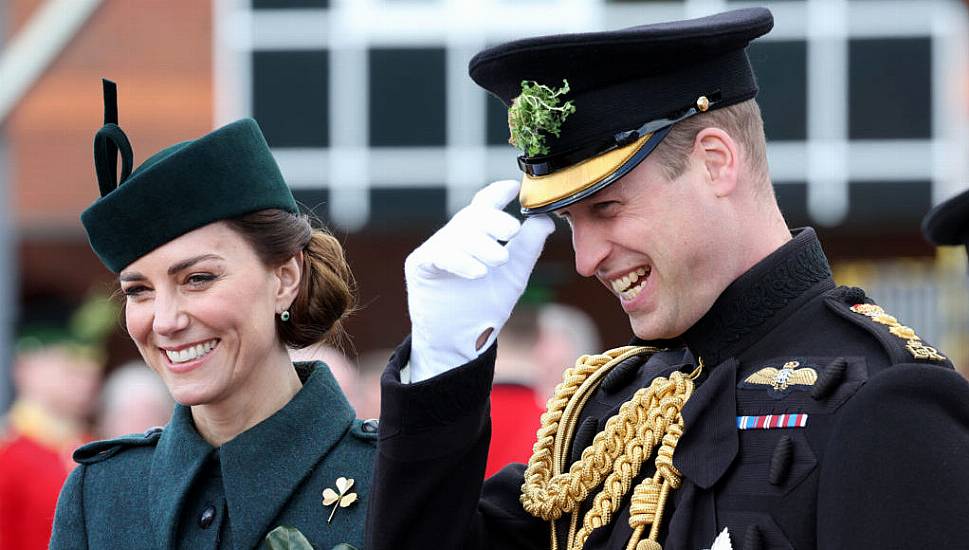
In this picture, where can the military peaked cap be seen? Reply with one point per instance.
(613, 96)
(948, 222)
(225, 174)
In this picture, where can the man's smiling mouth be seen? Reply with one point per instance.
(631, 284)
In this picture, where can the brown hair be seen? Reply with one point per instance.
(742, 121)
(327, 291)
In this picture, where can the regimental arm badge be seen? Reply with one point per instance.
(784, 380)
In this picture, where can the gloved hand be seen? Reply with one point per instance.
(462, 281)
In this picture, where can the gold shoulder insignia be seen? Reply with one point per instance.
(913, 343)
(783, 380)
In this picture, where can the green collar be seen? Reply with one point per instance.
(261, 467)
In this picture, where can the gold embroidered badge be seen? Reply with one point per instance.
(783, 380)
(913, 343)
(339, 500)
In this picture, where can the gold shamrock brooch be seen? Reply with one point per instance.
(340, 499)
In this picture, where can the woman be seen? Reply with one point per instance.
(220, 275)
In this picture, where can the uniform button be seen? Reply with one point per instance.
(207, 517)
(370, 426)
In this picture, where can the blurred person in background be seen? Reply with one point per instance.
(516, 408)
(371, 365)
(56, 375)
(221, 274)
(564, 333)
(948, 223)
(133, 400)
(341, 366)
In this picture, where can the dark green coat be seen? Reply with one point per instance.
(158, 490)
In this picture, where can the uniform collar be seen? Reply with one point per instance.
(759, 299)
(261, 467)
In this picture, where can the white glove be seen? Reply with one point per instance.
(462, 281)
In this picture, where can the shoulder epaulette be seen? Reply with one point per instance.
(901, 342)
(98, 451)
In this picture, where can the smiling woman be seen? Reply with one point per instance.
(215, 296)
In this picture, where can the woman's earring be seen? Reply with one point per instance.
(284, 316)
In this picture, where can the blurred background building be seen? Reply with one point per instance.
(377, 128)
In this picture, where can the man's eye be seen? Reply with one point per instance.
(606, 207)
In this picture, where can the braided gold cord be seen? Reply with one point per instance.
(546, 493)
(616, 453)
(654, 410)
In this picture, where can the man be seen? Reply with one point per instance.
(948, 222)
(57, 374)
(515, 404)
(799, 414)
(133, 400)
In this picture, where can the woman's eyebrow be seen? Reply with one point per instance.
(131, 276)
(185, 264)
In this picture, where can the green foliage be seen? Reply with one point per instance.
(95, 319)
(286, 538)
(536, 112)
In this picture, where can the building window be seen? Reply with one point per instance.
(890, 87)
(407, 98)
(290, 97)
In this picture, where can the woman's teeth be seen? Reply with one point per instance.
(625, 286)
(191, 353)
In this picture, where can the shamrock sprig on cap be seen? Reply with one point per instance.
(339, 500)
(536, 112)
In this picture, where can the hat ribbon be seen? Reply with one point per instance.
(110, 140)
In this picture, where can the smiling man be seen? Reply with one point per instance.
(760, 405)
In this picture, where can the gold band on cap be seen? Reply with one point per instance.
(539, 191)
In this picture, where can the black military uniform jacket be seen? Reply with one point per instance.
(872, 454)
(171, 489)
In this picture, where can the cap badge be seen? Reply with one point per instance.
(784, 380)
(913, 343)
(702, 103)
(535, 112)
(339, 500)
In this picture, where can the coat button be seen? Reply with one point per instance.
(370, 426)
(207, 517)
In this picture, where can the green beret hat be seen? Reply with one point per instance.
(225, 174)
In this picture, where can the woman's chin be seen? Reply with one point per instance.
(190, 395)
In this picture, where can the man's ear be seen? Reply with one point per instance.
(288, 274)
(721, 162)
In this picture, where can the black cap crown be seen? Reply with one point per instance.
(627, 87)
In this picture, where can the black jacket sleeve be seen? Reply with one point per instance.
(897, 470)
(427, 489)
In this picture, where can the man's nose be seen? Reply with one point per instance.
(591, 249)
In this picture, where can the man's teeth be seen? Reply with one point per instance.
(633, 292)
(191, 353)
(622, 284)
